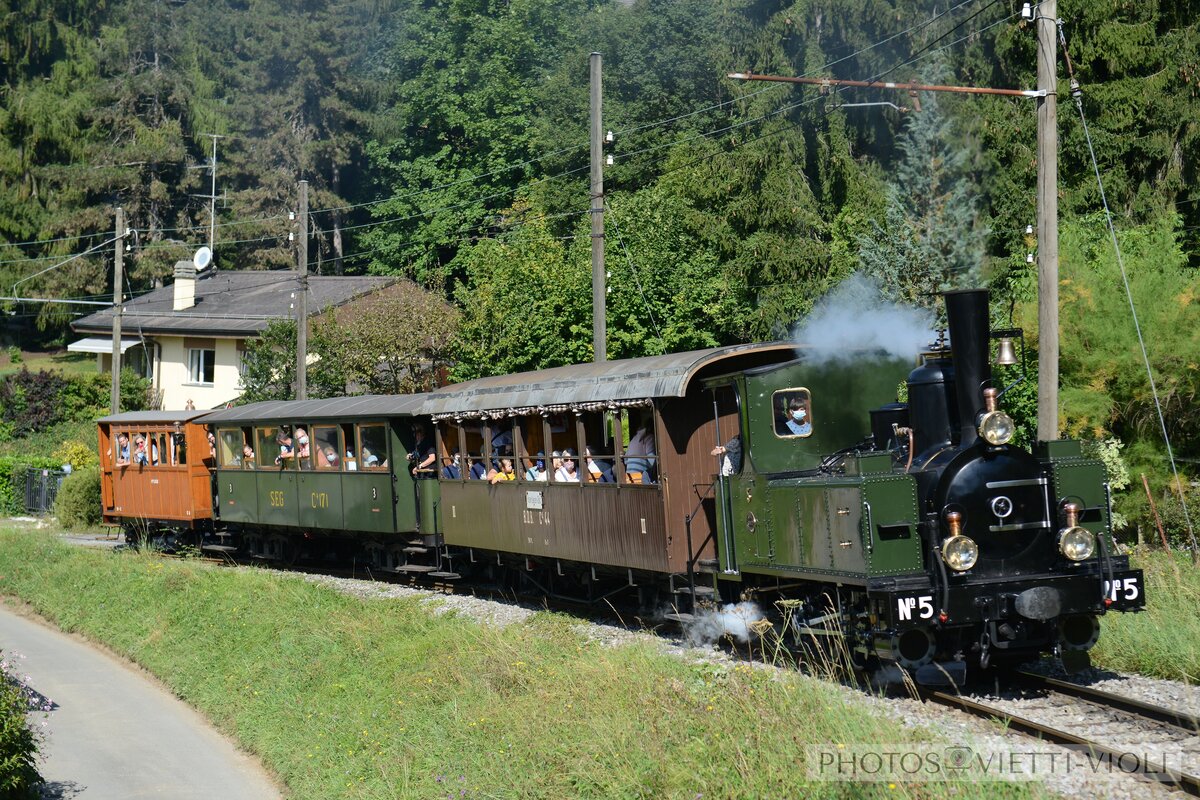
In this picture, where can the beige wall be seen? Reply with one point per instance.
(173, 375)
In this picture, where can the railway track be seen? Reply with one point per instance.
(1093, 721)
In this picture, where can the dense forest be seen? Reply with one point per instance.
(447, 141)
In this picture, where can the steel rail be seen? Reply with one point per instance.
(1185, 722)
(1185, 781)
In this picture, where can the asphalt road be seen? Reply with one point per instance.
(114, 734)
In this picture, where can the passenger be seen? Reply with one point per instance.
(421, 457)
(286, 450)
(140, 456)
(212, 443)
(798, 423)
(502, 442)
(331, 456)
(598, 471)
(247, 457)
(451, 467)
(302, 448)
(567, 473)
(555, 462)
(505, 473)
(122, 449)
(369, 459)
(640, 455)
(478, 471)
(537, 472)
(731, 463)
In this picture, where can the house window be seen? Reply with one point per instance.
(201, 365)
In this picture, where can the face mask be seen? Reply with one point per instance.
(541, 464)
(798, 415)
(303, 440)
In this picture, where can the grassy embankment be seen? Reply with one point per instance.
(1164, 640)
(64, 362)
(343, 697)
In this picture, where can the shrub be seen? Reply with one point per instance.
(14, 354)
(19, 777)
(76, 453)
(32, 401)
(78, 503)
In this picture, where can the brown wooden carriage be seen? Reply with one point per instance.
(166, 482)
(640, 520)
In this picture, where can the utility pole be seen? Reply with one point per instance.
(1047, 200)
(117, 302)
(302, 300)
(212, 204)
(599, 332)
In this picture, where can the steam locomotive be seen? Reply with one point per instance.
(914, 531)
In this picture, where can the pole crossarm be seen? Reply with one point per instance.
(904, 87)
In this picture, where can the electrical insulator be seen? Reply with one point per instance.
(1026, 11)
(1029, 258)
(609, 160)
(608, 137)
(291, 236)
(292, 216)
(1029, 230)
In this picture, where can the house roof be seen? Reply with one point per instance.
(231, 303)
(607, 381)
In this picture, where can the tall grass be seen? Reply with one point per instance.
(350, 698)
(1164, 640)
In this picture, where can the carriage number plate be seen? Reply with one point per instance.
(920, 607)
(1123, 589)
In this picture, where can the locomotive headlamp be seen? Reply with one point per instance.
(995, 427)
(1076, 543)
(958, 551)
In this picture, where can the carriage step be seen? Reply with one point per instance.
(701, 591)
(708, 566)
(681, 618)
(415, 568)
(416, 549)
(446, 576)
(218, 548)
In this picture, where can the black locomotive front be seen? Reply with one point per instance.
(1019, 555)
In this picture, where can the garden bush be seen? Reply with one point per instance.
(78, 503)
(19, 778)
(12, 480)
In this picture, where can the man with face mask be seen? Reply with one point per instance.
(798, 424)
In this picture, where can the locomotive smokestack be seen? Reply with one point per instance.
(967, 316)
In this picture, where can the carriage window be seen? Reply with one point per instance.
(792, 411)
(178, 448)
(229, 447)
(450, 460)
(372, 447)
(596, 465)
(302, 447)
(327, 447)
(641, 449)
(275, 448)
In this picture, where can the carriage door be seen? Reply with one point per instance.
(725, 415)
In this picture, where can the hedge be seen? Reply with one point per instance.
(12, 481)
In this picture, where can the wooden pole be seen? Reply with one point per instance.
(1047, 200)
(118, 271)
(1157, 521)
(599, 331)
(302, 299)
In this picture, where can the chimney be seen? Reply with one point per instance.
(185, 285)
(967, 318)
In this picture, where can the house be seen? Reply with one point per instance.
(189, 338)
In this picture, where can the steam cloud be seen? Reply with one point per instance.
(855, 316)
(732, 620)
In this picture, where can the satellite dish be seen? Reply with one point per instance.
(202, 258)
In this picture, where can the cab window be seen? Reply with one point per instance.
(792, 409)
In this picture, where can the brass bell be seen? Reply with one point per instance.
(1006, 354)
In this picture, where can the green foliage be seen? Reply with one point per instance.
(77, 454)
(14, 354)
(19, 778)
(396, 341)
(78, 503)
(269, 364)
(36, 401)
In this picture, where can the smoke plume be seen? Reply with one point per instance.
(732, 620)
(856, 317)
